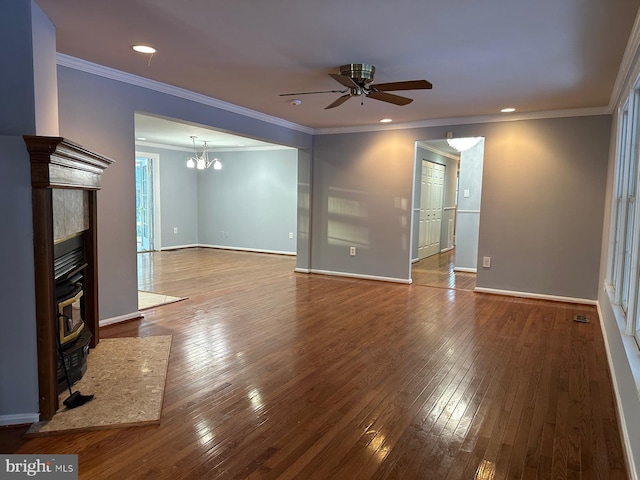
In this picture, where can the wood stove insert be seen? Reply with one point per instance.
(65, 178)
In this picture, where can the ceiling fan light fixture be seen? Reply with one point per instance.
(191, 163)
(463, 143)
(217, 164)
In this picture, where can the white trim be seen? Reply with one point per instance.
(622, 421)
(626, 71)
(468, 211)
(447, 249)
(362, 277)
(441, 122)
(415, 260)
(106, 72)
(178, 247)
(243, 249)
(121, 318)
(19, 419)
(260, 148)
(465, 269)
(451, 208)
(302, 270)
(537, 296)
(628, 341)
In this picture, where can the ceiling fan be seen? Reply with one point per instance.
(357, 78)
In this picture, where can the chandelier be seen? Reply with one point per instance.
(462, 144)
(202, 161)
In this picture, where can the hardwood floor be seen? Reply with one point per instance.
(275, 374)
(437, 271)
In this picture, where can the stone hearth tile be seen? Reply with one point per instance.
(127, 378)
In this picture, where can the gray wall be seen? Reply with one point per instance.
(468, 213)
(25, 88)
(543, 196)
(251, 202)
(448, 200)
(362, 192)
(303, 219)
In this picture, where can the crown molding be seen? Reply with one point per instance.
(113, 74)
(163, 146)
(443, 122)
(629, 69)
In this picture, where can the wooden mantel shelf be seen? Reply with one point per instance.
(59, 164)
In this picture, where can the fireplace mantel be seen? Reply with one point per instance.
(59, 165)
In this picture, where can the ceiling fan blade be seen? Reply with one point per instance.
(311, 93)
(339, 101)
(390, 98)
(344, 80)
(408, 85)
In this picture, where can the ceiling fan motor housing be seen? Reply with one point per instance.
(361, 73)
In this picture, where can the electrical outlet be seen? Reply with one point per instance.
(290, 234)
(352, 251)
(486, 262)
(175, 229)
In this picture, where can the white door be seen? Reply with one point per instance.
(431, 191)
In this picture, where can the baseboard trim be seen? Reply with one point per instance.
(446, 249)
(176, 247)
(302, 270)
(627, 344)
(536, 296)
(362, 277)
(242, 249)
(120, 319)
(466, 270)
(19, 419)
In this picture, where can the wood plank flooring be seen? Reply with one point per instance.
(437, 271)
(275, 374)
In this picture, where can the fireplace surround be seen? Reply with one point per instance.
(65, 178)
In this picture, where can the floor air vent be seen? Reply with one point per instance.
(581, 319)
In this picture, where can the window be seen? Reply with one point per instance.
(625, 218)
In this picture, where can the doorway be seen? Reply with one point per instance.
(146, 202)
(444, 244)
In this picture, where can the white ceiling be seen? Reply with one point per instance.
(163, 132)
(480, 56)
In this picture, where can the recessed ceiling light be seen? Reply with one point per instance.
(508, 110)
(386, 120)
(296, 102)
(144, 49)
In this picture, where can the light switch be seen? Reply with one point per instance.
(465, 193)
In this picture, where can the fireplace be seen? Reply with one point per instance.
(72, 335)
(65, 178)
